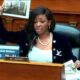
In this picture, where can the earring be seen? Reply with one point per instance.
(49, 27)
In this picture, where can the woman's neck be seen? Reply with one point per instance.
(44, 36)
(45, 40)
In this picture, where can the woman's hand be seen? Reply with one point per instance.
(76, 64)
(1, 10)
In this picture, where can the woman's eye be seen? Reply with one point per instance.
(39, 22)
(42, 21)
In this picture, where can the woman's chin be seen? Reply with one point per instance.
(39, 32)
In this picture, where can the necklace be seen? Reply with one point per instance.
(44, 44)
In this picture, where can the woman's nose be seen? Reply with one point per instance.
(38, 23)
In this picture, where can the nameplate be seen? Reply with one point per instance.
(16, 58)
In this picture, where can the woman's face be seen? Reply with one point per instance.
(41, 24)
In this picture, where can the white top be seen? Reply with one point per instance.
(40, 55)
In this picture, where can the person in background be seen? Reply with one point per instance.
(39, 42)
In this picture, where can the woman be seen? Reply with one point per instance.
(40, 42)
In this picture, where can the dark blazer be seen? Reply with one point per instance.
(61, 49)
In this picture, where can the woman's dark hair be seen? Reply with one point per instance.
(31, 34)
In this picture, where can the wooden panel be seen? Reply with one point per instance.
(59, 6)
(18, 24)
(1, 1)
(13, 24)
(65, 11)
(16, 70)
(7, 22)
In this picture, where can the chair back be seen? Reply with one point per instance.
(73, 35)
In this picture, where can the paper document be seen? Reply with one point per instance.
(70, 72)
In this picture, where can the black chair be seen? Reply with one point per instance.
(73, 35)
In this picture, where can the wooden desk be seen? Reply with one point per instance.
(16, 70)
